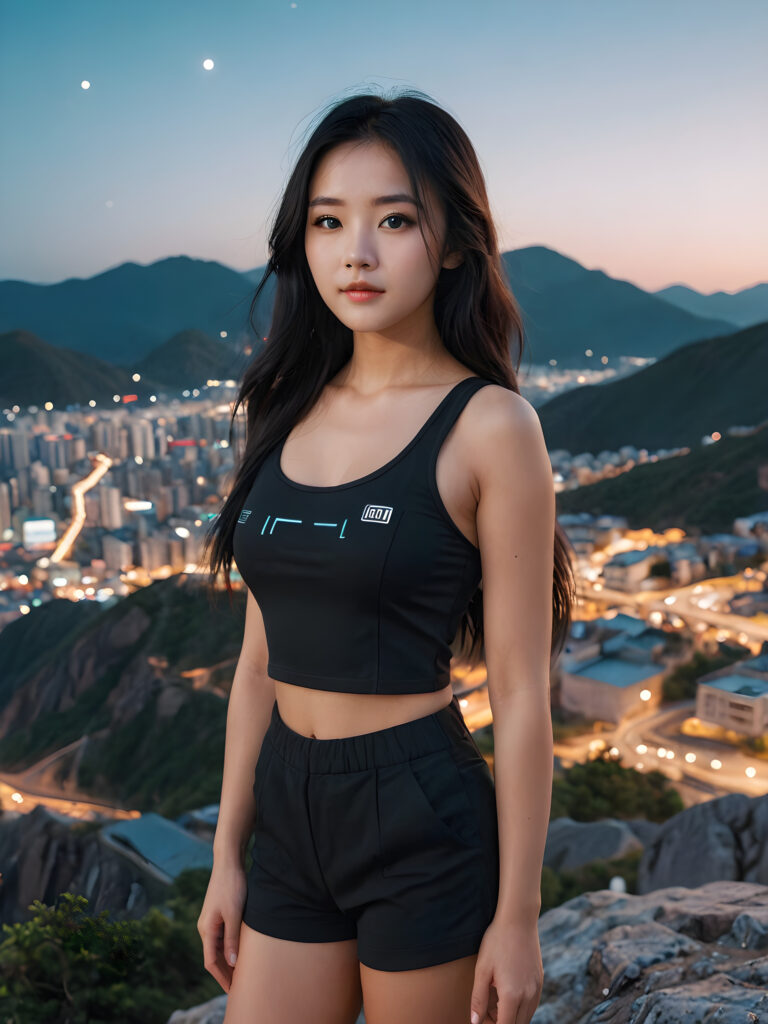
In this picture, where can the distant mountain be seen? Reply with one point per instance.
(124, 313)
(700, 388)
(34, 372)
(702, 492)
(568, 310)
(743, 308)
(190, 358)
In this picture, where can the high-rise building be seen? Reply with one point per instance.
(117, 554)
(14, 448)
(42, 502)
(153, 552)
(5, 509)
(110, 507)
(142, 439)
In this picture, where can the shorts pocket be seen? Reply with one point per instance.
(259, 775)
(470, 743)
(480, 785)
(423, 805)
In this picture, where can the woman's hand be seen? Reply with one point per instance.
(220, 918)
(509, 960)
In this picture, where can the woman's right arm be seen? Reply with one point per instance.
(250, 706)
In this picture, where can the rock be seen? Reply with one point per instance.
(726, 838)
(571, 844)
(43, 854)
(212, 1012)
(674, 956)
(671, 956)
(57, 685)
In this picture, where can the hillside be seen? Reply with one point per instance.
(569, 309)
(155, 741)
(705, 386)
(702, 492)
(124, 313)
(190, 358)
(744, 308)
(35, 372)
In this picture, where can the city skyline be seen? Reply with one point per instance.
(623, 137)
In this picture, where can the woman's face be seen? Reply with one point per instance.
(359, 237)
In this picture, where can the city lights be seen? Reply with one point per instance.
(103, 462)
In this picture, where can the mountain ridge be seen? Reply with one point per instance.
(123, 313)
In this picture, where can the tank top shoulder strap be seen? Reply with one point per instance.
(449, 412)
(444, 418)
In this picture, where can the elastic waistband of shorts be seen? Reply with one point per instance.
(397, 743)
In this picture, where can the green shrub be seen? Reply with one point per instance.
(603, 788)
(559, 886)
(66, 966)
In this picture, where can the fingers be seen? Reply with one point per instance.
(513, 1007)
(231, 940)
(487, 1003)
(479, 1004)
(214, 961)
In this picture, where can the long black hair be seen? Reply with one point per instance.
(476, 314)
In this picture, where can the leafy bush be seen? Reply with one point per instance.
(559, 886)
(681, 683)
(603, 788)
(66, 966)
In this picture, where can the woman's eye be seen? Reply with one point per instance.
(392, 216)
(326, 217)
(399, 216)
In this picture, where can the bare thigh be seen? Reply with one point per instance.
(275, 980)
(427, 995)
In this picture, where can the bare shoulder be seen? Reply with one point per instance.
(494, 407)
(503, 435)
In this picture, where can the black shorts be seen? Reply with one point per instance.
(389, 837)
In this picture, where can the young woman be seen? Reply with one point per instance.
(394, 494)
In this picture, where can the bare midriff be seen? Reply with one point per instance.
(328, 714)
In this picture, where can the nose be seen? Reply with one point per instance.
(361, 251)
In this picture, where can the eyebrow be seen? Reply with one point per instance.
(398, 197)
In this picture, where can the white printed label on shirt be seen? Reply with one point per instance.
(377, 514)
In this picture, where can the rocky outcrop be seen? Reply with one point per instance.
(676, 956)
(212, 1012)
(110, 664)
(726, 838)
(667, 957)
(572, 844)
(721, 839)
(58, 685)
(44, 854)
(119, 680)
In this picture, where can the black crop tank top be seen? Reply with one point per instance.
(361, 585)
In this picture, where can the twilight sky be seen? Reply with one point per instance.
(631, 136)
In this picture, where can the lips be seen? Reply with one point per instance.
(361, 286)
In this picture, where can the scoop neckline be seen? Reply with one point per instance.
(381, 469)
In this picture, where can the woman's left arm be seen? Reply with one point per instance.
(515, 526)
